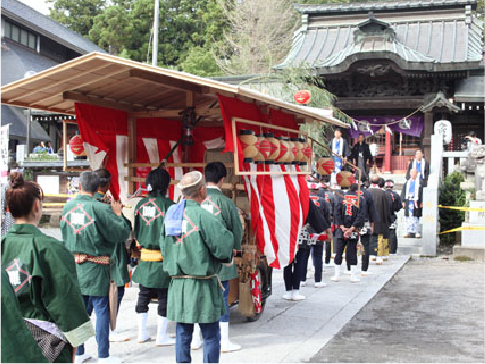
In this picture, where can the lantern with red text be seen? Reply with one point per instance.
(274, 148)
(249, 145)
(263, 150)
(76, 144)
(284, 150)
(325, 166)
(345, 179)
(302, 97)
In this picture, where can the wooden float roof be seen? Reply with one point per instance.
(140, 89)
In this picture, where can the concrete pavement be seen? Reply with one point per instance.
(431, 311)
(287, 331)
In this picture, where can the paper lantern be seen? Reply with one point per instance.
(291, 154)
(325, 166)
(274, 148)
(306, 150)
(345, 179)
(284, 151)
(263, 150)
(249, 144)
(302, 97)
(297, 147)
(76, 144)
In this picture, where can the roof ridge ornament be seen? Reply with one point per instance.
(439, 101)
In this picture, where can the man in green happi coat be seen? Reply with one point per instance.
(91, 231)
(226, 211)
(195, 244)
(119, 269)
(153, 280)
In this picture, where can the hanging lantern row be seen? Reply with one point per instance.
(265, 148)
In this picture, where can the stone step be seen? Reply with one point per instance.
(409, 250)
(410, 242)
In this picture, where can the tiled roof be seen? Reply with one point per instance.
(36, 21)
(433, 44)
(379, 6)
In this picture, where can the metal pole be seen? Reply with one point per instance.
(155, 34)
(28, 114)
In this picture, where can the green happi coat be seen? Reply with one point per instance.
(205, 244)
(91, 227)
(225, 210)
(149, 216)
(15, 332)
(43, 274)
(120, 270)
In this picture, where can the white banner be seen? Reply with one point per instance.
(4, 154)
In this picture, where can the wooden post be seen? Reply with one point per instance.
(189, 102)
(131, 152)
(426, 134)
(64, 144)
(387, 154)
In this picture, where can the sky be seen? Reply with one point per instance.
(40, 5)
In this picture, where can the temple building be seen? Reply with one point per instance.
(396, 68)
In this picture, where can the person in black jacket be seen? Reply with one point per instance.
(361, 157)
(315, 240)
(379, 243)
(291, 273)
(325, 192)
(395, 208)
(349, 218)
(371, 217)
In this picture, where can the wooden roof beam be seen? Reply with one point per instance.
(95, 100)
(167, 81)
(157, 114)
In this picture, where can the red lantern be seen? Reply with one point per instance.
(76, 144)
(302, 97)
(325, 166)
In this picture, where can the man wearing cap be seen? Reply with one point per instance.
(395, 207)
(226, 211)
(91, 231)
(379, 241)
(349, 218)
(195, 244)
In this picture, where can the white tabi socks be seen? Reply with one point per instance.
(114, 336)
(142, 327)
(353, 274)
(226, 345)
(162, 338)
(336, 276)
(196, 342)
(296, 296)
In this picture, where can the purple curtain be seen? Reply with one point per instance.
(416, 125)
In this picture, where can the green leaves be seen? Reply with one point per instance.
(451, 195)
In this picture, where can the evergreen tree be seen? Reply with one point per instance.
(77, 15)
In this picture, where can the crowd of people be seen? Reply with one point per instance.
(186, 262)
(186, 255)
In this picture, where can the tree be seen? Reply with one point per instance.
(201, 61)
(258, 37)
(77, 15)
(451, 195)
(112, 28)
